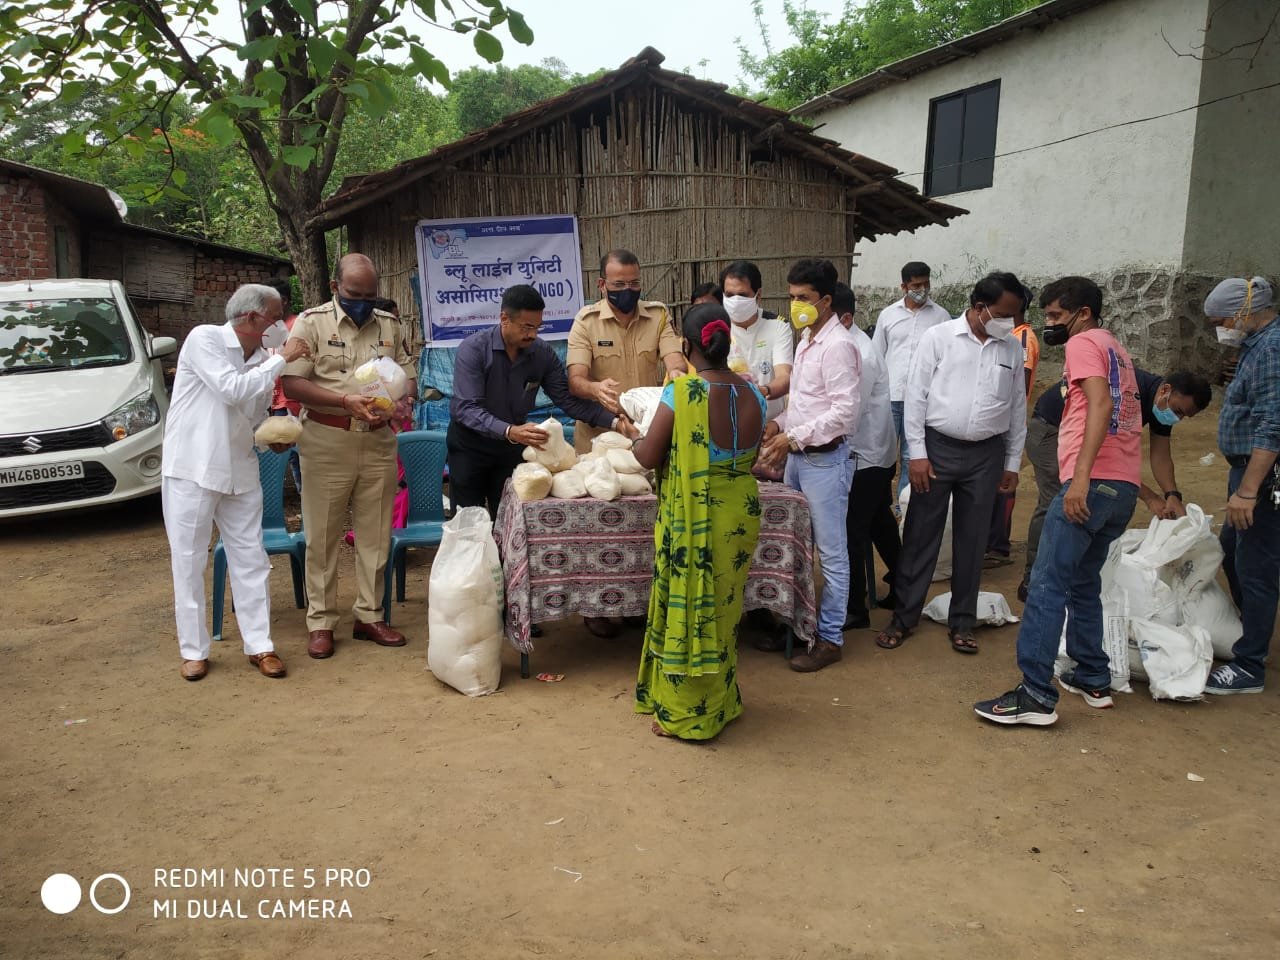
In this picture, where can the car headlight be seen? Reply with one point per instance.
(135, 416)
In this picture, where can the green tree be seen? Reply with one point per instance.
(480, 97)
(283, 90)
(823, 55)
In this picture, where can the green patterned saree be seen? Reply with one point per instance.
(708, 523)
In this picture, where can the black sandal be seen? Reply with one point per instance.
(962, 641)
(891, 637)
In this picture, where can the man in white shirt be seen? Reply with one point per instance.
(762, 348)
(873, 448)
(222, 388)
(966, 423)
(898, 331)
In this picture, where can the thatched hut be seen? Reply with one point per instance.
(680, 170)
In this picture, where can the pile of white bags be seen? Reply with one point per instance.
(609, 471)
(943, 570)
(1165, 616)
(464, 612)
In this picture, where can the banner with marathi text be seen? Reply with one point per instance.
(464, 267)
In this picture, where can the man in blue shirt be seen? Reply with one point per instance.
(496, 378)
(1249, 436)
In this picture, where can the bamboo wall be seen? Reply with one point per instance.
(647, 170)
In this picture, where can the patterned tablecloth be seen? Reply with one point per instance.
(594, 558)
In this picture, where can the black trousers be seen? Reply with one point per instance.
(479, 467)
(870, 520)
(968, 475)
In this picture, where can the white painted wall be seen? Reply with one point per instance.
(1086, 206)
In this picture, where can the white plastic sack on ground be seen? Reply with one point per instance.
(1211, 607)
(943, 570)
(993, 610)
(1176, 660)
(556, 454)
(464, 613)
(640, 404)
(532, 481)
(1160, 593)
(1115, 644)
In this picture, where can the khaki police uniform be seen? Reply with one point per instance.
(355, 465)
(632, 355)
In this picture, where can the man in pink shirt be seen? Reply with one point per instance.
(810, 437)
(1100, 463)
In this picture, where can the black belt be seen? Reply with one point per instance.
(822, 447)
(1238, 460)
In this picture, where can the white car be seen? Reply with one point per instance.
(82, 397)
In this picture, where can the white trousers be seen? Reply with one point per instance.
(190, 511)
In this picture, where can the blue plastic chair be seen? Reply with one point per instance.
(423, 453)
(276, 537)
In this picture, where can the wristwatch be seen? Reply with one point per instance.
(1173, 493)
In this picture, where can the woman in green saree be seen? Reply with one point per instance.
(707, 431)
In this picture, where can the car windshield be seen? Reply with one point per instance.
(37, 335)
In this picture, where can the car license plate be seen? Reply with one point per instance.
(44, 473)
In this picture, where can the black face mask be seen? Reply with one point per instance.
(1057, 334)
(624, 300)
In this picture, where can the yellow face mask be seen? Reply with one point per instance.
(803, 314)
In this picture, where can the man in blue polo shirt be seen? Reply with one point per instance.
(496, 378)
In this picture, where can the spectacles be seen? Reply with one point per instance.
(623, 284)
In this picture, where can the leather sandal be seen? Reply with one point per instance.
(892, 637)
(962, 641)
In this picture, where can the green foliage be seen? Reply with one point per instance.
(824, 55)
(280, 94)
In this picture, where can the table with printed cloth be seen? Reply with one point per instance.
(594, 558)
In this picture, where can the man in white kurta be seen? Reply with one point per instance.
(223, 388)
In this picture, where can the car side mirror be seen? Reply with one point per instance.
(163, 347)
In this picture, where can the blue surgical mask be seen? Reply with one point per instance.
(358, 310)
(1165, 415)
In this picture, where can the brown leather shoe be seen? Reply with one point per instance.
(823, 654)
(379, 633)
(601, 627)
(194, 669)
(269, 664)
(320, 644)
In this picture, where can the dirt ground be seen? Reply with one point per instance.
(862, 812)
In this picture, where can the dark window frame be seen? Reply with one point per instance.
(931, 187)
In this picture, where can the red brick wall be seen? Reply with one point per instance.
(26, 236)
(216, 278)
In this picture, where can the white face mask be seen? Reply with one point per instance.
(741, 309)
(1227, 335)
(998, 326)
(274, 336)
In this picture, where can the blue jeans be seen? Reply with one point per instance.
(896, 407)
(1253, 569)
(824, 479)
(1068, 576)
